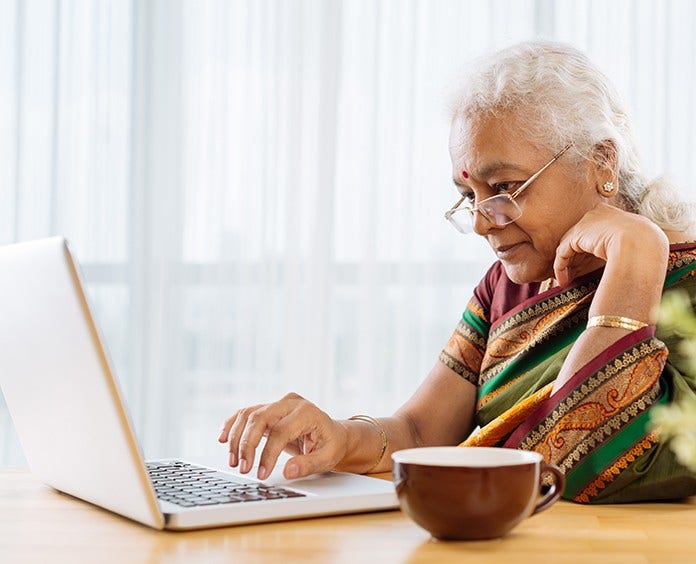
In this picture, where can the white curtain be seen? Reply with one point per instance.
(256, 188)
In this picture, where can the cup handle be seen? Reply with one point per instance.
(556, 490)
(400, 477)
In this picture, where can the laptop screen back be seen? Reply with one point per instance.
(59, 387)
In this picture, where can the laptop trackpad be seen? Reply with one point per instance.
(332, 484)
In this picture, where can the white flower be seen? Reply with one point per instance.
(684, 447)
(676, 423)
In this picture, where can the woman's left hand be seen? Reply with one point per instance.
(607, 234)
(635, 252)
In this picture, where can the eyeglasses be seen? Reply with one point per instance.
(499, 210)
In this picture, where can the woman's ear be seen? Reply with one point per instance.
(604, 168)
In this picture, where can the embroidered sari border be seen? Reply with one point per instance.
(676, 275)
(552, 292)
(682, 262)
(475, 322)
(533, 328)
(630, 340)
(529, 361)
(611, 427)
(608, 453)
(496, 430)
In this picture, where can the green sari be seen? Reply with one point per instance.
(511, 343)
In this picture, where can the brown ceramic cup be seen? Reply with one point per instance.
(473, 492)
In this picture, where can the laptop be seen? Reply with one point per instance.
(64, 400)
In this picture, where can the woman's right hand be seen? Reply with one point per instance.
(317, 442)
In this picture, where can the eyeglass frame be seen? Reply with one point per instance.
(511, 197)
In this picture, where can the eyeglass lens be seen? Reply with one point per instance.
(498, 210)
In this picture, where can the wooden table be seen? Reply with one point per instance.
(38, 524)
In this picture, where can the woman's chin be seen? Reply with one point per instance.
(526, 273)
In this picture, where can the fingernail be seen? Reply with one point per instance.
(243, 466)
(291, 471)
(262, 473)
(233, 459)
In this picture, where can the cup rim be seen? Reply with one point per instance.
(466, 457)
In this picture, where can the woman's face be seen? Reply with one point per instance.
(491, 156)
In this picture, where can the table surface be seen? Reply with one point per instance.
(39, 524)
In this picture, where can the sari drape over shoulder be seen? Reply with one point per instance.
(511, 343)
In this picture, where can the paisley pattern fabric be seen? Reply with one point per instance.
(596, 428)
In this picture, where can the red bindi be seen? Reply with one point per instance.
(465, 174)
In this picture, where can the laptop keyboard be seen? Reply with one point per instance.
(188, 485)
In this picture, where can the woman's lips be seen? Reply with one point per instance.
(506, 251)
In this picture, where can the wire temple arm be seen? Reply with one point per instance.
(536, 174)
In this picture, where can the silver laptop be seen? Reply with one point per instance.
(64, 399)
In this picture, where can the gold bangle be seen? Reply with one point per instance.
(382, 434)
(615, 321)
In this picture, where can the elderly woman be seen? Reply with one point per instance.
(558, 349)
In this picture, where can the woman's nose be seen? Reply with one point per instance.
(481, 224)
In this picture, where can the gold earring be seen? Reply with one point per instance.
(608, 187)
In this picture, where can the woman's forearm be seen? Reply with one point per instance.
(440, 412)
(630, 289)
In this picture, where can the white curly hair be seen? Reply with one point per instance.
(559, 96)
